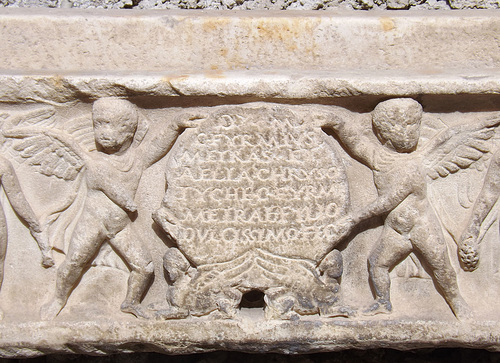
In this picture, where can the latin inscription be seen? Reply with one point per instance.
(255, 178)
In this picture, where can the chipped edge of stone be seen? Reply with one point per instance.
(53, 88)
(197, 335)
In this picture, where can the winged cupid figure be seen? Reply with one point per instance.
(385, 140)
(107, 176)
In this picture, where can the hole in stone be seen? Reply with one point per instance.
(253, 299)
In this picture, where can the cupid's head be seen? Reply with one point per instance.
(396, 123)
(115, 123)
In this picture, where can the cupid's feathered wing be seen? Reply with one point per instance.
(55, 152)
(455, 149)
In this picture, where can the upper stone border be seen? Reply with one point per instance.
(187, 41)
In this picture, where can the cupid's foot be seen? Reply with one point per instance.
(130, 207)
(462, 310)
(135, 309)
(338, 311)
(380, 307)
(43, 242)
(50, 310)
(171, 313)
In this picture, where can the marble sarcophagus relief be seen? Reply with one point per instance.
(285, 212)
(263, 210)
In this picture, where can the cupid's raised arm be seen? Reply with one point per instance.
(353, 130)
(161, 144)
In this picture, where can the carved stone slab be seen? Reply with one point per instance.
(218, 181)
(251, 197)
(255, 177)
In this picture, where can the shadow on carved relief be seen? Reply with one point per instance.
(442, 103)
(295, 209)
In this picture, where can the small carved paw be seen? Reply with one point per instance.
(280, 307)
(469, 256)
(227, 307)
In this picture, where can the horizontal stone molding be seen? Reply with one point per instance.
(59, 40)
(60, 87)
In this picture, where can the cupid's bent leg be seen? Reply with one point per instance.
(390, 249)
(141, 267)
(87, 238)
(432, 248)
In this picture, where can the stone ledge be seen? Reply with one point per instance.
(309, 335)
(60, 87)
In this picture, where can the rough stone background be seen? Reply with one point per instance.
(259, 4)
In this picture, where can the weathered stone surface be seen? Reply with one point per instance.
(297, 189)
(259, 4)
(179, 43)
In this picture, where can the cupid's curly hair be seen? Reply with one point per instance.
(400, 110)
(117, 108)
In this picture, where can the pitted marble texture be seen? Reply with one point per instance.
(180, 43)
(258, 4)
